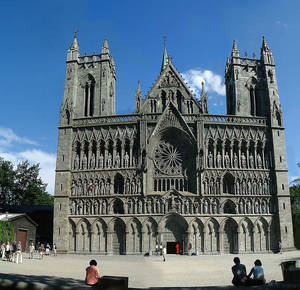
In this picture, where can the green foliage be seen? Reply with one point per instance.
(295, 204)
(6, 231)
(22, 186)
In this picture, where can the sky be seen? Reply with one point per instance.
(35, 37)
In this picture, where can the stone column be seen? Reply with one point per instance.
(204, 243)
(238, 238)
(221, 245)
(90, 154)
(105, 154)
(92, 242)
(255, 155)
(239, 155)
(109, 239)
(206, 156)
(130, 153)
(215, 156)
(98, 154)
(114, 155)
(231, 154)
(223, 155)
(247, 157)
(188, 242)
(127, 242)
(122, 155)
(263, 165)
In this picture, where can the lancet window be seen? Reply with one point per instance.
(89, 93)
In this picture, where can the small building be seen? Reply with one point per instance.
(24, 227)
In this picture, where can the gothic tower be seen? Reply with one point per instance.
(251, 90)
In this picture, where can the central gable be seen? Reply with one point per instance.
(170, 86)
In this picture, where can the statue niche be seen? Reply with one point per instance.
(174, 158)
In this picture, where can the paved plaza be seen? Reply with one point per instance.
(143, 272)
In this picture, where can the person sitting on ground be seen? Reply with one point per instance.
(239, 273)
(92, 274)
(258, 274)
(14, 250)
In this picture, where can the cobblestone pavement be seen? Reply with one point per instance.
(144, 272)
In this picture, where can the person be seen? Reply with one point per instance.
(41, 251)
(14, 250)
(156, 249)
(47, 249)
(31, 250)
(54, 248)
(160, 249)
(7, 250)
(19, 257)
(258, 275)
(3, 250)
(239, 273)
(279, 247)
(164, 252)
(92, 274)
(177, 248)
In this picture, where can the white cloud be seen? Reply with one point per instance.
(7, 137)
(213, 82)
(285, 25)
(46, 160)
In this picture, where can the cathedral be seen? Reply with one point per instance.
(171, 173)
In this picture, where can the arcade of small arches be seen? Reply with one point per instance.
(105, 184)
(203, 235)
(168, 204)
(103, 154)
(237, 154)
(234, 183)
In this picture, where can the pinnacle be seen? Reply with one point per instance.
(105, 48)
(235, 50)
(75, 45)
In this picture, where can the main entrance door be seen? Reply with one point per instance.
(22, 236)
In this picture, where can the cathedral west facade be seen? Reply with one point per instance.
(171, 172)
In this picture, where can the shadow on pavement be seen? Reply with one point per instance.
(17, 281)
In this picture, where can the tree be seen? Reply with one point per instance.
(6, 231)
(7, 180)
(295, 204)
(22, 186)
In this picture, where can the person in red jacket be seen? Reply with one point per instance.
(92, 274)
(177, 248)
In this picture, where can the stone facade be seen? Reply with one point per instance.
(171, 172)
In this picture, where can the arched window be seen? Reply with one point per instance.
(118, 207)
(228, 183)
(179, 101)
(229, 207)
(89, 93)
(119, 184)
(163, 100)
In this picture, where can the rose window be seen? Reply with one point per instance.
(168, 159)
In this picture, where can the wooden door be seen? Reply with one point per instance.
(22, 236)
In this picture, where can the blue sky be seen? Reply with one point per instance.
(35, 36)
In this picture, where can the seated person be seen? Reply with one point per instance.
(239, 273)
(258, 274)
(92, 274)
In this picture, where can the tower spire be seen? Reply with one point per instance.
(73, 51)
(165, 56)
(204, 104)
(235, 51)
(105, 48)
(138, 98)
(75, 45)
(264, 46)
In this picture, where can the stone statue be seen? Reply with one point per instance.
(214, 206)
(90, 189)
(210, 160)
(84, 162)
(102, 184)
(79, 192)
(266, 187)
(76, 162)
(227, 160)
(235, 161)
(249, 187)
(249, 206)
(139, 186)
(237, 187)
(243, 160)
(132, 186)
(148, 206)
(244, 186)
(107, 187)
(219, 160)
(263, 207)
(256, 207)
(96, 192)
(73, 188)
(259, 163)
(251, 161)
(93, 161)
(127, 186)
(129, 205)
(84, 190)
(205, 206)
(117, 160)
(101, 161)
(126, 160)
(109, 160)
(104, 207)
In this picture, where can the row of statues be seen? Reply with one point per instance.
(82, 162)
(106, 186)
(252, 162)
(237, 187)
(157, 205)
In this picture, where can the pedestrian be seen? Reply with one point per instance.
(239, 273)
(156, 249)
(41, 251)
(14, 250)
(54, 248)
(92, 274)
(47, 252)
(2, 251)
(258, 275)
(279, 247)
(31, 250)
(19, 255)
(160, 249)
(164, 253)
(177, 248)
(7, 250)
